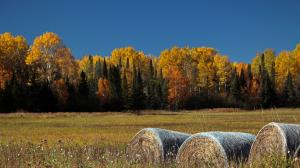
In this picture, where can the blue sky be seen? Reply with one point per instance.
(237, 28)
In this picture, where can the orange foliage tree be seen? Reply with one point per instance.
(178, 88)
(103, 90)
(60, 89)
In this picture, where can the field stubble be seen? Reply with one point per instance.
(99, 139)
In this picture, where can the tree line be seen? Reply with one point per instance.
(44, 76)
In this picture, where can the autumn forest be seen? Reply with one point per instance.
(44, 76)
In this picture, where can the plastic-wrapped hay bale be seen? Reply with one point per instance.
(275, 140)
(214, 149)
(155, 145)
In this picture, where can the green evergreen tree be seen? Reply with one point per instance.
(165, 93)
(71, 100)
(297, 92)
(8, 98)
(138, 96)
(98, 70)
(104, 70)
(97, 76)
(249, 73)
(115, 88)
(267, 91)
(235, 89)
(288, 91)
(14, 96)
(160, 97)
(163, 87)
(47, 99)
(248, 82)
(120, 63)
(160, 74)
(15, 92)
(127, 63)
(125, 92)
(83, 93)
(151, 70)
(89, 71)
(151, 98)
(273, 76)
(83, 85)
(242, 80)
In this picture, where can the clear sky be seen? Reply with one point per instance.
(237, 28)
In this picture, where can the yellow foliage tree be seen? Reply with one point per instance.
(269, 58)
(66, 64)
(134, 57)
(189, 61)
(284, 63)
(223, 69)
(207, 71)
(84, 61)
(12, 56)
(47, 57)
(296, 55)
(175, 57)
(44, 48)
(137, 58)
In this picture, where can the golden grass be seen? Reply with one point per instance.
(115, 129)
(99, 139)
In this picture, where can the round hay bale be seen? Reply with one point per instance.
(275, 140)
(214, 149)
(155, 145)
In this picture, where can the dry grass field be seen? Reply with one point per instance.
(99, 139)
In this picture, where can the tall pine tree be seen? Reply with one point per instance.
(115, 88)
(288, 91)
(71, 100)
(267, 91)
(104, 70)
(98, 70)
(83, 93)
(125, 92)
(151, 98)
(138, 96)
(235, 89)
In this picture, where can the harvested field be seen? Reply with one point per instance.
(100, 139)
